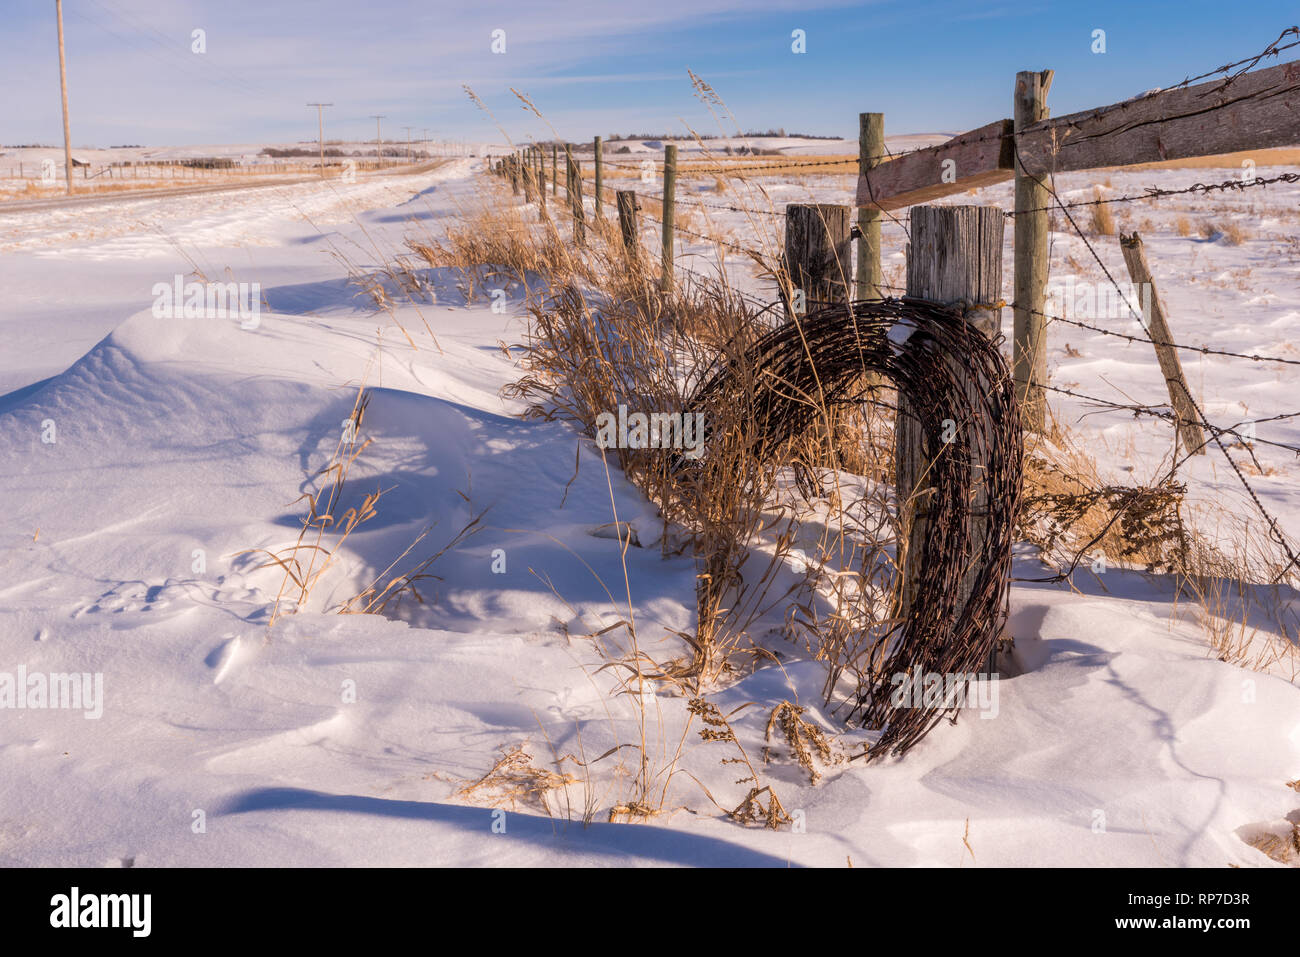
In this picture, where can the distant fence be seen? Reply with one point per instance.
(49, 172)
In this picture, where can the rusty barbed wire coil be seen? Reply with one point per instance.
(945, 370)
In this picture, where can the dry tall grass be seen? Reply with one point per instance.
(1101, 220)
(1230, 233)
(603, 334)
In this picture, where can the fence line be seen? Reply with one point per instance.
(1151, 193)
(1156, 411)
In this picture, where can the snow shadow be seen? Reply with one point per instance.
(1255, 605)
(443, 286)
(615, 841)
(441, 464)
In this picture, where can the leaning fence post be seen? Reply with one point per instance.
(818, 255)
(1157, 326)
(871, 148)
(627, 208)
(600, 180)
(1029, 344)
(955, 257)
(668, 217)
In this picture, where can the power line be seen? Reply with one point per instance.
(168, 45)
(171, 59)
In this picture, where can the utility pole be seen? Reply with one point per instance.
(428, 146)
(408, 143)
(379, 139)
(63, 86)
(320, 135)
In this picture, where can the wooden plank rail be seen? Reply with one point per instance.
(981, 157)
(1254, 111)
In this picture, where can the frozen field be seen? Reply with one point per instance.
(142, 458)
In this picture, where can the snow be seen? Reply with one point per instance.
(334, 739)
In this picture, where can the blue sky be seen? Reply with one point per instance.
(590, 67)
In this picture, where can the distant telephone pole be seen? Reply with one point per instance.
(379, 139)
(408, 143)
(63, 85)
(320, 135)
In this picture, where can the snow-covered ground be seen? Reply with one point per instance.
(141, 458)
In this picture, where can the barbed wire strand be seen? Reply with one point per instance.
(1275, 531)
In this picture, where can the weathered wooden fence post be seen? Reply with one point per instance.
(600, 180)
(627, 208)
(575, 202)
(1157, 327)
(541, 194)
(955, 257)
(871, 149)
(1029, 344)
(555, 169)
(668, 218)
(513, 169)
(818, 255)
